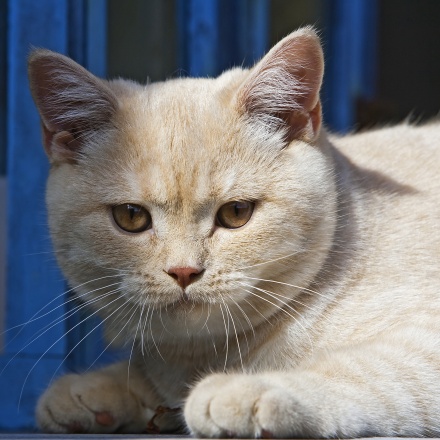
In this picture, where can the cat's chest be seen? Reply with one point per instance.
(278, 346)
(171, 380)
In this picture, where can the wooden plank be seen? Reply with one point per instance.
(87, 46)
(3, 137)
(198, 21)
(3, 45)
(350, 59)
(96, 37)
(2, 260)
(215, 35)
(26, 378)
(33, 279)
(253, 30)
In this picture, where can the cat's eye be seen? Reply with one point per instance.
(132, 218)
(235, 214)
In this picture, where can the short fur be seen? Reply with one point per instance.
(317, 318)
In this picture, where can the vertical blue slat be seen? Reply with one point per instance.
(3, 15)
(256, 29)
(88, 46)
(3, 137)
(32, 277)
(96, 36)
(200, 24)
(350, 67)
(215, 35)
(77, 30)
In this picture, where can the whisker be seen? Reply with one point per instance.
(245, 317)
(227, 335)
(86, 336)
(34, 316)
(251, 305)
(207, 329)
(115, 337)
(59, 339)
(241, 325)
(280, 308)
(271, 261)
(152, 336)
(297, 302)
(52, 325)
(236, 335)
(143, 330)
(134, 341)
(305, 289)
(207, 316)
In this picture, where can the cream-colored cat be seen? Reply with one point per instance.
(269, 279)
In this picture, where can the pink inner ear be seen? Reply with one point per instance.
(282, 91)
(59, 146)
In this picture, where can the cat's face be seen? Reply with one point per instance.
(185, 207)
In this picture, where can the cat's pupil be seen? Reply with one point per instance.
(132, 211)
(238, 208)
(132, 218)
(235, 214)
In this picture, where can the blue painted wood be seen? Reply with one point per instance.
(87, 46)
(96, 37)
(253, 29)
(3, 15)
(216, 35)
(77, 30)
(20, 391)
(351, 38)
(199, 21)
(33, 280)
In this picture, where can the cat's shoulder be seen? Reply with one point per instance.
(408, 153)
(392, 143)
(393, 136)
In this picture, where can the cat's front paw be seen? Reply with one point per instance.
(91, 403)
(246, 406)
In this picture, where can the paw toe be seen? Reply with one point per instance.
(104, 418)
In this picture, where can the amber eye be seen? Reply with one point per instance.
(132, 218)
(233, 215)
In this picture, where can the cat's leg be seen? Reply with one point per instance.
(379, 388)
(102, 401)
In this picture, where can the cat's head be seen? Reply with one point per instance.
(191, 198)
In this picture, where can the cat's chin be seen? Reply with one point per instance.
(183, 304)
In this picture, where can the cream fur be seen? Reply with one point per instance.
(316, 318)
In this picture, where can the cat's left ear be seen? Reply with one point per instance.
(73, 103)
(282, 90)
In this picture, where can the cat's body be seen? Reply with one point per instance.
(326, 294)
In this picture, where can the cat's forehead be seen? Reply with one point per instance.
(182, 141)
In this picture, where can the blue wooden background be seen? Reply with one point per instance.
(213, 35)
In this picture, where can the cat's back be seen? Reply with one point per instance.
(393, 181)
(405, 156)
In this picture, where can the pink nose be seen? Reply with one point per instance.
(184, 275)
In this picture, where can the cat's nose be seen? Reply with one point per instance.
(185, 275)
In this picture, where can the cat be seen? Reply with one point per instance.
(271, 279)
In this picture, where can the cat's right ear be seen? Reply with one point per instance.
(281, 93)
(73, 103)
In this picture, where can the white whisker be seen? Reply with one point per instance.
(59, 339)
(280, 308)
(227, 335)
(270, 261)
